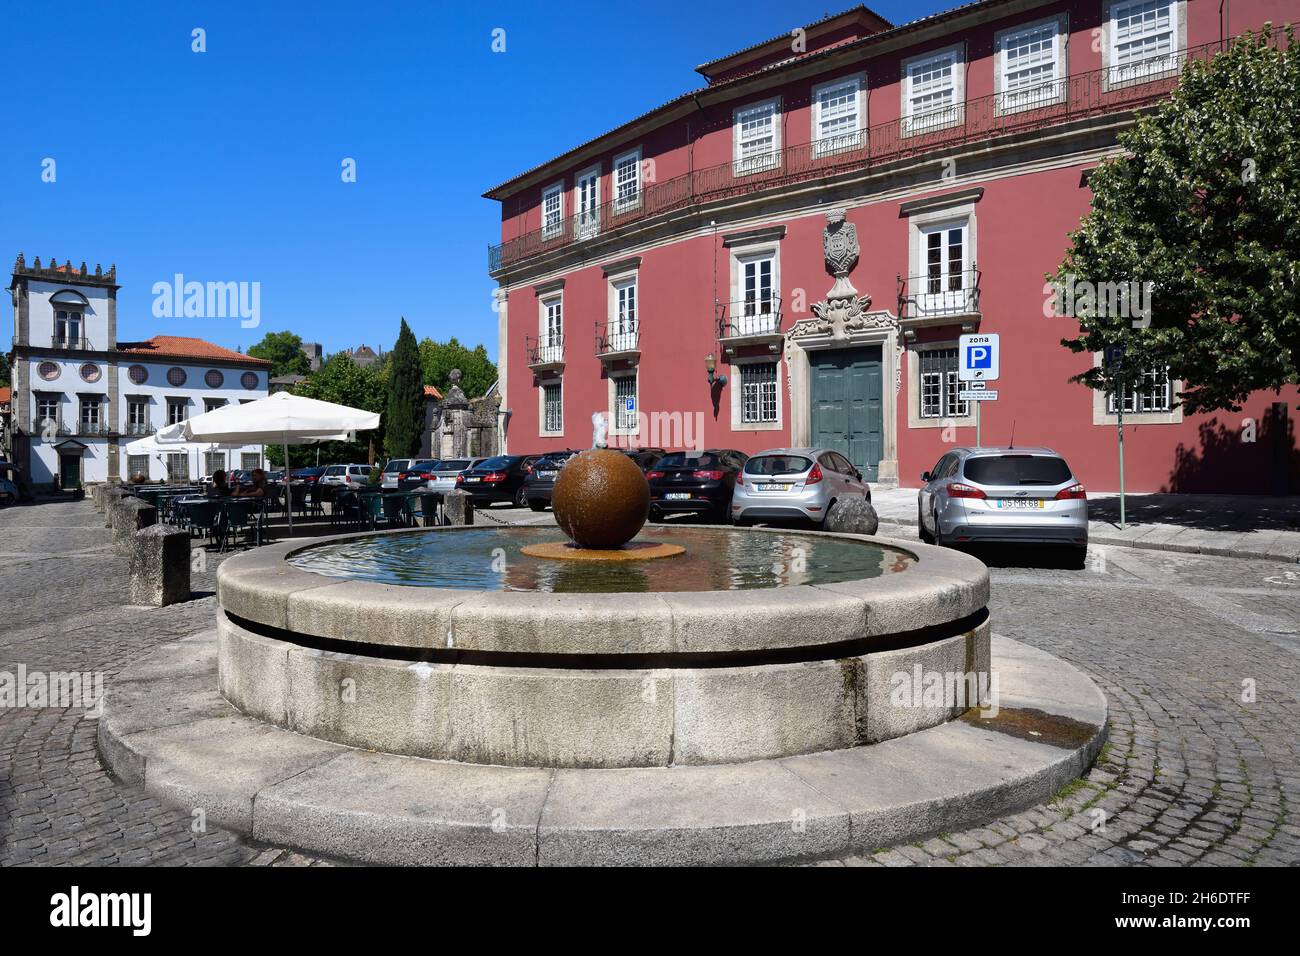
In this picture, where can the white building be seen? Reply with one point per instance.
(80, 395)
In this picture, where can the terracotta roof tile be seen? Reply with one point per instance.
(6, 394)
(184, 347)
(432, 392)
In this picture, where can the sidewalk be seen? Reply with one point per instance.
(1236, 526)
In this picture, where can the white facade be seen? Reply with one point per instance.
(80, 396)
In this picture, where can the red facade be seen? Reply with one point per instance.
(961, 210)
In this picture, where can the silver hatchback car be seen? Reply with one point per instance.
(1022, 495)
(794, 483)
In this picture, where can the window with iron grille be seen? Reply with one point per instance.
(939, 385)
(552, 407)
(627, 180)
(1030, 67)
(214, 461)
(1144, 40)
(758, 394)
(625, 418)
(250, 460)
(757, 137)
(137, 466)
(1152, 392)
(178, 467)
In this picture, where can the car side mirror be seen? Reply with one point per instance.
(925, 476)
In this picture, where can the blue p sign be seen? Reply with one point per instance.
(979, 356)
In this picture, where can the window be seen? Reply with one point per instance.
(212, 404)
(176, 377)
(213, 378)
(946, 285)
(758, 392)
(138, 374)
(627, 180)
(625, 403)
(837, 116)
(587, 202)
(1152, 392)
(178, 466)
(137, 416)
(248, 380)
(47, 412)
(552, 332)
(90, 372)
(552, 210)
(1143, 40)
(67, 328)
(1032, 67)
(214, 461)
(90, 414)
(622, 332)
(939, 385)
(137, 466)
(757, 138)
(177, 410)
(48, 371)
(756, 312)
(932, 92)
(552, 408)
(249, 460)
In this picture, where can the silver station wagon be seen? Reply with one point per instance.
(794, 483)
(1017, 495)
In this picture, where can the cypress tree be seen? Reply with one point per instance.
(404, 420)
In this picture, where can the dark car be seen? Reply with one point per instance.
(695, 482)
(420, 473)
(645, 458)
(496, 479)
(541, 480)
(308, 475)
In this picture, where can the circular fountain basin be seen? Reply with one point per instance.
(451, 644)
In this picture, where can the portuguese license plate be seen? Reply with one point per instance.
(774, 487)
(1014, 503)
(473, 479)
(546, 474)
(678, 495)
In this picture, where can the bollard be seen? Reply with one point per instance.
(458, 507)
(160, 565)
(108, 499)
(129, 516)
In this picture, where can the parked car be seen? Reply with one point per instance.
(345, 476)
(795, 483)
(417, 474)
(388, 480)
(442, 478)
(695, 482)
(496, 479)
(1021, 495)
(645, 458)
(308, 476)
(541, 480)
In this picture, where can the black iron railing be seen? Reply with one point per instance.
(939, 293)
(1111, 90)
(616, 337)
(749, 317)
(544, 350)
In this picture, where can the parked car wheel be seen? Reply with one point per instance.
(1078, 559)
(926, 537)
(937, 537)
(656, 515)
(521, 499)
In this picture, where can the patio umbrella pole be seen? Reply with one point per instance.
(288, 496)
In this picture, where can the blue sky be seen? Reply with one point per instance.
(225, 166)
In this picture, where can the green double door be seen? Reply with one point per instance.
(846, 404)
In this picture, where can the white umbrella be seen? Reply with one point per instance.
(281, 419)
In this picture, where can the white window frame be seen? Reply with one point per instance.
(747, 166)
(621, 203)
(759, 395)
(586, 223)
(1156, 67)
(737, 398)
(617, 417)
(542, 430)
(549, 348)
(90, 411)
(137, 416)
(935, 119)
(551, 229)
(1104, 413)
(845, 141)
(916, 390)
(185, 411)
(68, 318)
(756, 324)
(944, 301)
(1045, 93)
(51, 400)
(621, 329)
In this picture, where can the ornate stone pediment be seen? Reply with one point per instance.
(843, 312)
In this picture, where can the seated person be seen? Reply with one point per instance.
(257, 489)
(220, 487)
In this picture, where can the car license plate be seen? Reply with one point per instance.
(473, 479)
(1014, 503)
(774, 487)
(546, 474)
(678, 495)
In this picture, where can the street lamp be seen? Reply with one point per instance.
(711, 363)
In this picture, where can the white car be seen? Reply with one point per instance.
(346, 476)
(395, 466)
(447, 471)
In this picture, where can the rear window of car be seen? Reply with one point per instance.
(331, 470)
(777, 465)
(1017, 470)
(455, 464)
(397, 464)
(501, 461)
(681, 459)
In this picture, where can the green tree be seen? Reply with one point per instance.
(342, 382)
(404, 420)
(4, 370)
(437, 359)
(1206, 208)
(284, 351)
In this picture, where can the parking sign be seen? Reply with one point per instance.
(977, 357)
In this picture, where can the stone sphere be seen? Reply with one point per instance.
(601, 499)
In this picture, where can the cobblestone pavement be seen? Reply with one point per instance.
(1193, 773)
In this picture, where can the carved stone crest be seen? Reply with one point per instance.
(843, 311)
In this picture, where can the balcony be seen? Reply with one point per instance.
(545, 353)
(749, 322)
(137, 429)
(617, 341)
(98, 429)
(1118, 89)
(940, 298)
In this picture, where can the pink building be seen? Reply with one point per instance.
(952, 154)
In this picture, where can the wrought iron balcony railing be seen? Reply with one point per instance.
(614, 338)
(138, 428)
(544, 350)
(750, 317)
(1112, 90)
(939, 293)
(98, 428)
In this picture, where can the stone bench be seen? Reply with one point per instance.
(159, 558)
